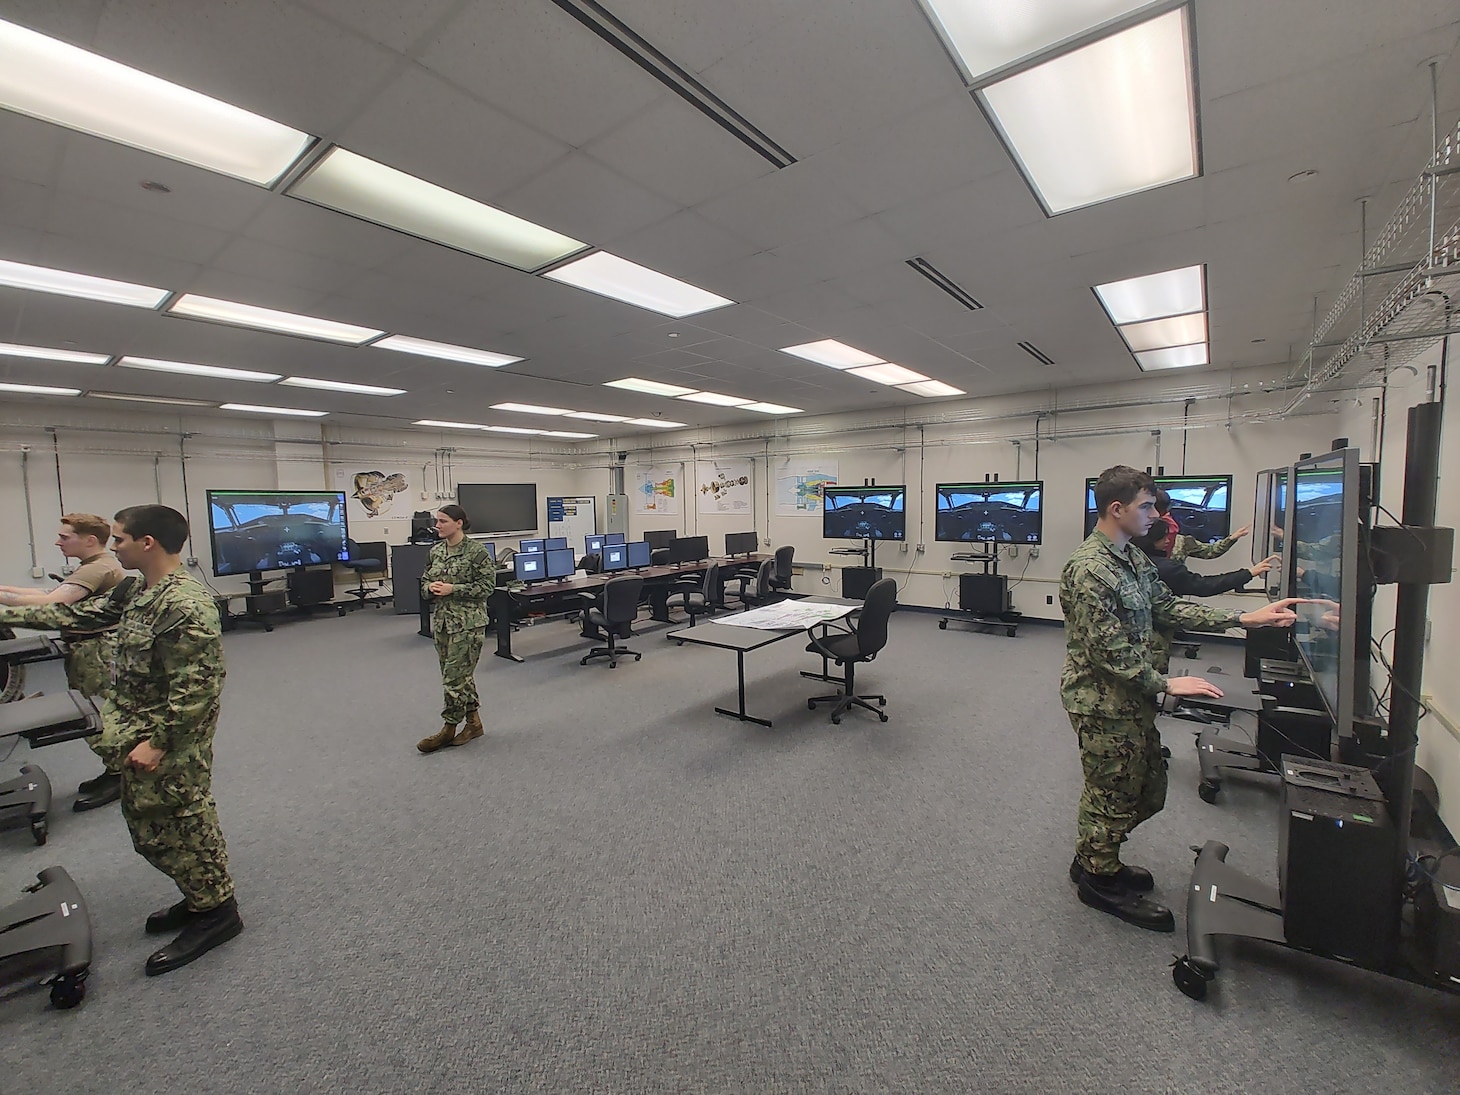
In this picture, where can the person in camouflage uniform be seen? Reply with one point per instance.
(459, 578)
(83, 537)
(1189, 547)
(166, 680)
(1113, 601)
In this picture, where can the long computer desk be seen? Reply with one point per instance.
(552, 598)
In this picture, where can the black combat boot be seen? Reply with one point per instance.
(203, 931)
(1105, 893)
(174, 918)
(1132, 878)
(101, 791)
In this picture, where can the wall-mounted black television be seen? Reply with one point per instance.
(499, 507)
(864, 513)
(1201, 504)
(256, 530)
(996, 513)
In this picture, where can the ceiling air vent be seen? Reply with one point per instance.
(944, 282)
(1036, 353)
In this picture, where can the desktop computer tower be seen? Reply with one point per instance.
(983, 594)
(856, 581)
(311, 587)
(1338, 863)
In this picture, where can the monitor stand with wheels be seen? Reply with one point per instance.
(45, 937)
(983, 599)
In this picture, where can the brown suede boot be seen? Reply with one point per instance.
(470, 729)
(438, 739)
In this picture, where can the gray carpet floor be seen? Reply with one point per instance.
(618, 891)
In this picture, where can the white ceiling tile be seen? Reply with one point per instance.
(304, 227)
(779, 208)
(695, 36)
(580, 196)
(32, 148)
(389, 22)
(311, 273)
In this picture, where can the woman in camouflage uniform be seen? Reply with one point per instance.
(458, 580)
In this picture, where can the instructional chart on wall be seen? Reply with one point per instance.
(656, 490)
(799, 484)
(723, 486)
(372, 494)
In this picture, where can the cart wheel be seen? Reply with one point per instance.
(881, 716)
(1009, 631)
(67, 991)
(882, 701)
(1189, 978)
(583, 661)
(638, 657)
(1208, 789)
(811, 705)
(38, 831)
(942, 625)
(1191, 653)
(836, 720)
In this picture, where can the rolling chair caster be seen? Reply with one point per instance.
(1208, 789)
(942, 625)
(68, 990)
(39, 831)
(1190, 978)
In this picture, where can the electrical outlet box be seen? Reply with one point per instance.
(947, 574)
(192, 560)
(1034, 553)
(424, 496)
(1049, 600)
(922, 548)
(902, 545)
(385, 530)
(37, 572)
(1013, 551)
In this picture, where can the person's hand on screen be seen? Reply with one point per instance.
(1277, 614)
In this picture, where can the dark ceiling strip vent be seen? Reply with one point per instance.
(944, 282)
(1036, 353)
(616, 33)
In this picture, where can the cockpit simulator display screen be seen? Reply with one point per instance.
(1201, 504)
(997, 513)
(864, 513)
(1319, 557)
(275, 529)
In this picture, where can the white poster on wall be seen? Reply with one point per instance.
(374, 494)
(799, 484)
(656, 491)
(723, 486)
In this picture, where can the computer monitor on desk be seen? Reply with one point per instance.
(639, 553)
(555, 542)
(613, 537)
(593, 545)
(660, 538)
(689, 549)
(615, 557)
(530, 566)
(560, 562)
(741, 543)
(531, 546)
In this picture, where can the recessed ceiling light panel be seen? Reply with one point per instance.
(467, 355)
(339, 386)
(449, 425)
(1154, 296)
(42, 353)
(657, 423)
(123, 397)
(770, 408)
(37, 389)
(19, 275)
(59, 83)
(592, 416)
(648, 387)
(289, 412)
(831, 353)
(529, 408)
(887, 373)
(715, 399)
(215, 372)
(1174, 357)
(610, 276)
(931, 388)
(268, 319)
(1156, 334)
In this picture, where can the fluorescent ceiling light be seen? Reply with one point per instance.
(931, 388)
(1173, 357)
(350, 183)
(254, 409)
(528, 408)
(830, 352)
(449, 425)
(770, 408)
(987, 35)
(41, 353)
(657, 423)
(593, 416)
(1112, 118)
(887, 373)
(215, 371)
(18, 275)
(267, 319)
(444, 350)
(610, 276)
(150, 399)
(60, 83)
(512, 429)
(339, 386)
(568, 433)
(1153, 296)
(1154, 334)
(649, 387)
(716, 400)
(38, 389)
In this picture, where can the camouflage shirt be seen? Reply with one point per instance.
(167, 666)
(1189, 547)
(1113, 601)
(469, 568)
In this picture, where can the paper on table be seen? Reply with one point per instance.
(786, 616)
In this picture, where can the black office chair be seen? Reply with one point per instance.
(659, 557)
(614, 614)
(755, 589)
(862, 645)
(592, 563)
(781, 580)
(699, 598)
(367, 558)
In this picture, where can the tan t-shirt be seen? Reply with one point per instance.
(97, 575)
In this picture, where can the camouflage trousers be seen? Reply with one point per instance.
(87, 671)
(458, 652)
(174, 825)
(1125, 783)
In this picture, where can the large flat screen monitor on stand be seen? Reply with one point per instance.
(990, 513)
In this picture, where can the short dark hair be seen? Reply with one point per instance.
(456, 513)
(1163, 501)
(1158, 531)
(163, 523)
(1121, 484)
